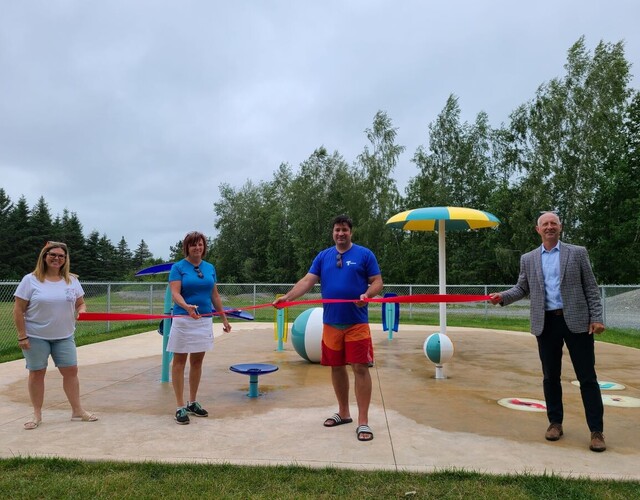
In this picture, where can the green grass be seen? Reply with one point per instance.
(61, 479)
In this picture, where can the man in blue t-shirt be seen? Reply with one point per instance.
(345, 271)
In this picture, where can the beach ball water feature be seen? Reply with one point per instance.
(439, 349)
(306, 334)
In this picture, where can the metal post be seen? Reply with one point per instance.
(109, 305)
(410, 305)
(166, 327)
(442, 288)
(486, 303)
(253, 386)
(391, 318)
(280, 327)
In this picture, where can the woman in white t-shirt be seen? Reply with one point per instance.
(47, 303)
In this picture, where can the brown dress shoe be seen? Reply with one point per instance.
(554, 432)
(597, 442)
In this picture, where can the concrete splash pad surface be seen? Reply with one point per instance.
(420, 423)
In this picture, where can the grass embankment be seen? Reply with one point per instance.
(56, 478)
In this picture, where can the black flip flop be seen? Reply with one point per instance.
(337, 420)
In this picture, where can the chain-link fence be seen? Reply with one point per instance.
(621, 304)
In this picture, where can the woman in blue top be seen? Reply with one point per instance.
(194, 291)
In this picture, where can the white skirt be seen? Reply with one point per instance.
(190, 335)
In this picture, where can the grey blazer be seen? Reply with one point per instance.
(578, 288)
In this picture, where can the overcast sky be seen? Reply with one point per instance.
(132, 113)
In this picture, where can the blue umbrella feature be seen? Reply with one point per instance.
(157, 269)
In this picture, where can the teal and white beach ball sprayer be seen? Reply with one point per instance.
(439, 349)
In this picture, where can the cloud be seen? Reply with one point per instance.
(131, 114)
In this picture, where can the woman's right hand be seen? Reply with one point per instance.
(24, 344)
(193, 311)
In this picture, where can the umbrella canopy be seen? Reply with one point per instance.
(455, 219)
(442, 219)
(157, 269)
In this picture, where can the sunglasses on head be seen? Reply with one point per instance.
(55, 244)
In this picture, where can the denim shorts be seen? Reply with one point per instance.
(62, 351)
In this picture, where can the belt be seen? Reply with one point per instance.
(554, 312)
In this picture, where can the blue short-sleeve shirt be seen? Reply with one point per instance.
(346, 282)
(194, 290)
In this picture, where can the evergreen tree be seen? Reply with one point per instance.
(71, 234)
(20, 241)
(6, 250)
(108, 269)
(92, 254)
(124, 259)
(141, 256)
(41, 225)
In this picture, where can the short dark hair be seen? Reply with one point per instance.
(191, 239)
(342, 219)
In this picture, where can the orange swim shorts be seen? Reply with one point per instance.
(347, 344)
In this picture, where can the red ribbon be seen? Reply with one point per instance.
(401, 299)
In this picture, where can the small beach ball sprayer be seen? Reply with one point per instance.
(439, 349)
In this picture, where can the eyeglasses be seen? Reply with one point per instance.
(197, 269)
(56, 255)
(339, 260)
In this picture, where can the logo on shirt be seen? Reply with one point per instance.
(70, 294)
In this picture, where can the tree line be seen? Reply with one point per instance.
(26, 230)
(573, 147)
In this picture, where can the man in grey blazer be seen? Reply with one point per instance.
(565, 309)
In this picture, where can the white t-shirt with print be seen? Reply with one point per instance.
(51, 313)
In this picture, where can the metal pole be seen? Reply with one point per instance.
(442, 273)
(166, 327)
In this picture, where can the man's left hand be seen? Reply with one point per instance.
(596, 328)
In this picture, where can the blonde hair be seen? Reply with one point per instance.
(40, 271)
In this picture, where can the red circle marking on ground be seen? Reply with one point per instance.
(523, 404)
